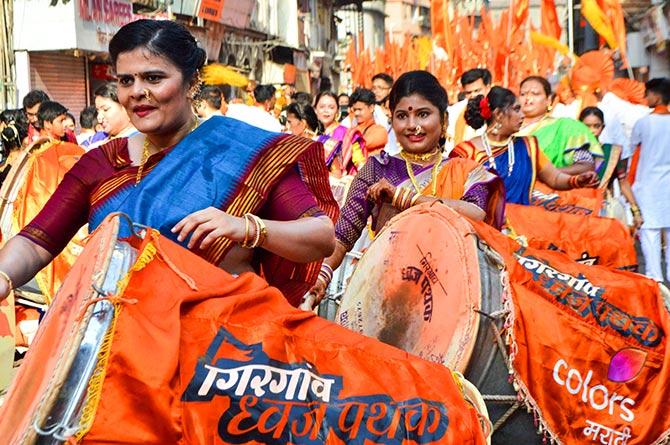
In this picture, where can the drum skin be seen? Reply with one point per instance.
(417, 287)
(380, 304)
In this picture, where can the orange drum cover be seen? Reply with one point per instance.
(56, 341)
(418, 288)
(590, 240)
(197, 356)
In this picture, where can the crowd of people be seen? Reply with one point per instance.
(283, 184)
(398, 135)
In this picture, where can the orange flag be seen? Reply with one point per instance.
(520, 14)
(550, 25)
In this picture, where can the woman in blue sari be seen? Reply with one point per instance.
(242, 198)
(517, 160)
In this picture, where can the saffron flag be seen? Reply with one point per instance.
(550, 24)
(599, 21)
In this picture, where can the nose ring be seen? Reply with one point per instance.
(418, 130)
(147, 93)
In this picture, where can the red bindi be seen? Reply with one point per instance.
(410, 108)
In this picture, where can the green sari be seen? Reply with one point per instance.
(560, 138)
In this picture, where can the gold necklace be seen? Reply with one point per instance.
(417, 157)
(145, 154)
(433, 174)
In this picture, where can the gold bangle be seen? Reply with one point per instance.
(246, 231)
(415, 198)
(394, 201)
(407, 198)
(263, 232)
(4, 275)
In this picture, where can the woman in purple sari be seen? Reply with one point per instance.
(344, 147)
(419, 174)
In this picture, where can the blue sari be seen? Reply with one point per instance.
(520, 182)
(227, 164)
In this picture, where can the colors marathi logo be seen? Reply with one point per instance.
(276, 402)
(626, 365)
(586, 300)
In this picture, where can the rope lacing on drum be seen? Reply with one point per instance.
(514, 400)
(106, 296)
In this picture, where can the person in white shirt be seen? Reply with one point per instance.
(652, 177)
(208, 102)
(259, 114)
(474, 82)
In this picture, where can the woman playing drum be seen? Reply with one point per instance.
(222, 188)
(418, 174)
(518, 160)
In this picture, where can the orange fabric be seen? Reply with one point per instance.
(593, 70)
(375, 136)
(628, 89)
(586, 239)
(576, 201)
(635, 160)
(588, 346)
(219, 359)
(458, 175)
(520, 14)
(48, 165)
(550, 26)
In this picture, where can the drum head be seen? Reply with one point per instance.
(418, 287)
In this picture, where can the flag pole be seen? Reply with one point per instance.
(571, 26)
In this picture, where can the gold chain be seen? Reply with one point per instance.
(418, 157)
(412, 178)
(145, 154)
(145, 157)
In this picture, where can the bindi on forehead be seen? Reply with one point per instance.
(410, 109)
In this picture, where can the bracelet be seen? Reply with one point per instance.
(248, 238)
(246, 232)
(325, 274)
(4, 275)
(573, 182)
(404, 200)
(261, 232)
(394, 201)
(635, 210)
(415, 198)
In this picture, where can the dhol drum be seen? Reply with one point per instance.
(429, 286)
(49, 407)
(157, 346)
